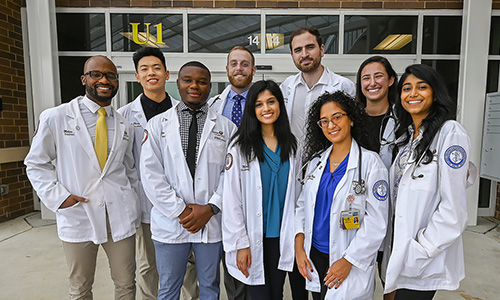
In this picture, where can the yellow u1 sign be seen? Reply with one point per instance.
(144, 38)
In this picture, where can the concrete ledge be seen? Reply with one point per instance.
(13, 154)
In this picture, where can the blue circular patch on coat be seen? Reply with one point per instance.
(455, 156)
(380, 190)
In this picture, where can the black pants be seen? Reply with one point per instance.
(404, 294)
(322, 262)
(297, 284)
(275, 278)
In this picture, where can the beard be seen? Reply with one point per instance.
(93, 94)
(311, 67)
(240, 83)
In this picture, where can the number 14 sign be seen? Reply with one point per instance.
(273, 40)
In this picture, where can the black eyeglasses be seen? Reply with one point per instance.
(96, 75)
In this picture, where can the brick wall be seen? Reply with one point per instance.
(14, 117)
(348, 4)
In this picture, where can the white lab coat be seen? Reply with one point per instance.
(63, 135)
(335, 83)
(242, 224)
(218, 102)
(430, 216)
(358, 246)
(134, 113)
(168, 183)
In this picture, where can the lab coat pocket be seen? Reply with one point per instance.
(426, 177)
(359, 285)
(417, 262)
(73, 217)
(216, 151)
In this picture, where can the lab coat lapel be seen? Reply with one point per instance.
(352, 164)
(76, 122)
(139, 113)
(209, 125)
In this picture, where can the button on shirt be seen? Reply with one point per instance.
(185, 121)
(228, 107)
(303, 95)
(89, 113)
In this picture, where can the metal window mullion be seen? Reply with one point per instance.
(107, 31)
(185, 29)
(341, 33)
(420, 37)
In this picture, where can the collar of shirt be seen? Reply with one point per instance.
(153, 105)
(94, 107)
(323, 80)
(232, 93)
(183, 107)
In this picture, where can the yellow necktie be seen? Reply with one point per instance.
(101, 138)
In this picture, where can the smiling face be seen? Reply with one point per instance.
(102, 90)
(267, 108)
(240, 69)
(375, 82)
(306, 52)
(194, 86)
(339, 133)
(416, 98)
(151, 74)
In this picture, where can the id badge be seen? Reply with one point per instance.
(349, 219)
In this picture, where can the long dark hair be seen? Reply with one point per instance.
(249, 135)
(440, 111)
(393, 89)
(316, 141)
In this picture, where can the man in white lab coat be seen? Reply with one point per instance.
(313, 80)
(230, 103)
(182, 163)
(92, 186)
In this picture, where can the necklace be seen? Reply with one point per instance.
(334, 164)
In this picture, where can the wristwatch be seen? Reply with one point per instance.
(214, 207)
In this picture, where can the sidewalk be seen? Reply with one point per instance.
(33, 264)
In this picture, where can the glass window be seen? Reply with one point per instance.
(495, 36)
(449, 69)
(220, 33)
(492, 80)
(442, 35)
(129, 32)
(380, 34)
(80, 32)
(280, 28)
(70, 71)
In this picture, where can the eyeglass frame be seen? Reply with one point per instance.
(339, 115)
(102, 75)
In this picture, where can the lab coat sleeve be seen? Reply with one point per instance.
(449, 220)
(364, 246)
(40, 169)
(156, 186)
(234, 231)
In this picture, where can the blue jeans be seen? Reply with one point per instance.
(171, 261)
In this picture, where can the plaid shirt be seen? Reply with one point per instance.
(185, 121)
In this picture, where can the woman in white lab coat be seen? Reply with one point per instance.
(423, 250)
(259, 194)
(341, 213)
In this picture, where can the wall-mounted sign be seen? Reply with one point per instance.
(145, 39)
(273, 40)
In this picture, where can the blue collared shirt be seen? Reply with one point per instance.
(228, 107)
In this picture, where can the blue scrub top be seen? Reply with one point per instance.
(324, 199)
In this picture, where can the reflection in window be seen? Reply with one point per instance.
(380, 34)
(70, 71)
(220, 33)
(328, 27)
(442, 35)
(494, 36)
(80, 32)
(129, 32)
(449, 69)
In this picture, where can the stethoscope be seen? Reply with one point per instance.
(383, 141)
(359, 185)
(419, 161)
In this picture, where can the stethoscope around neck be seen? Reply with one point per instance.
(359, 186)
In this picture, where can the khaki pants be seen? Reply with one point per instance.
(147, 275)
(82, 257)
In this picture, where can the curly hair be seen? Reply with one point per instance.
(316, 141)
(249, 134)
(440, 111)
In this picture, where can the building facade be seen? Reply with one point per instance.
(45, 43)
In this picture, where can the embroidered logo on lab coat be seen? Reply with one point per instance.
(380, 190)
(229, 161)
(455, 156)
(145, 137)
